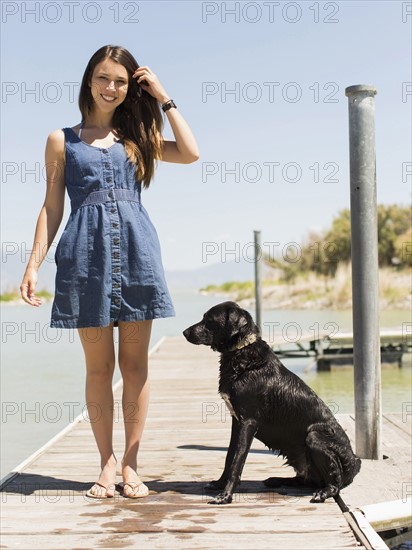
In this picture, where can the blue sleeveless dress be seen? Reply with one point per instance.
(108, 258)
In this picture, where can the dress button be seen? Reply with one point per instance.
(115, 224)
(116, 241)
(111, 195)
(104, 150)
(113, 210)
(109, 180)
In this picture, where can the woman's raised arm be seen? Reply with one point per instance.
(184, 150)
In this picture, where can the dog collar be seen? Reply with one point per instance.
(249, 339)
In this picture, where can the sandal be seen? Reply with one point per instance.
(141, 488)
(102, 495)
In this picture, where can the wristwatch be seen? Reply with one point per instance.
(168, 105)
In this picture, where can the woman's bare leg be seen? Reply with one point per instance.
(134, 338)
(100, 362)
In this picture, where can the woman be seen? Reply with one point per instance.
(109, 268)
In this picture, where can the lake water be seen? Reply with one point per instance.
(42, 369)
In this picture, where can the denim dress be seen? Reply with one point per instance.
(108, 258)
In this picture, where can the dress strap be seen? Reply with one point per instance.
(81, 128)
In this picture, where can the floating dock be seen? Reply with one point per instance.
(331, 349)
(184, 446)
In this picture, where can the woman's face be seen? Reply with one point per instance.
(109, 84)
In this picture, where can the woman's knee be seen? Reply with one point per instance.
(101, 370)
(98, 348)
(134, 338)
(132, 367)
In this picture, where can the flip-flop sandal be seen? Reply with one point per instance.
(99, 496)
(134, 486)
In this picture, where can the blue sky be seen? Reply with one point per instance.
(309, 51)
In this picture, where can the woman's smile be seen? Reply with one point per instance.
(108, 98)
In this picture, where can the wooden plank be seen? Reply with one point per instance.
(181, 540)
(381, 480)
(394, 438)
(135, 519)
(389, 515)
(366, 534)
(402, 421)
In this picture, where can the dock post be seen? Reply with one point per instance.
(258, 279)
(365, 275)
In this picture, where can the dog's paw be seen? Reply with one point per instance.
(319, 496)
(322, 494)
(216, 485)
(223, 498)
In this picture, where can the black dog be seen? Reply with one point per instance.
(269, 402)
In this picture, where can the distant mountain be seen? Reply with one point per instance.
(215, 274)
(13, 267)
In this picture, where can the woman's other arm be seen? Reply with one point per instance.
(50, 215)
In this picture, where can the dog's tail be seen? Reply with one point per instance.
(357, 467)
(351, 470)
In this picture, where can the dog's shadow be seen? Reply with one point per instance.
(252, 490)
(50, 487)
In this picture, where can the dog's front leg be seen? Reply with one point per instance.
(220, 483)
(246, 432)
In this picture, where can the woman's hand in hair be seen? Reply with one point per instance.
(149, 82)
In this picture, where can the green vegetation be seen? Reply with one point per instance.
(16, 295)
(242, 290)
(323, 252)
(318, 272)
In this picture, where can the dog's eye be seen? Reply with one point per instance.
(207, 322)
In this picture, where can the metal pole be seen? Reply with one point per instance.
(365, 276)
(258, 279)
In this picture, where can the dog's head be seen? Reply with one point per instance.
(222, 328)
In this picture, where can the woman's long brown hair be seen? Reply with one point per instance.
(137, 121)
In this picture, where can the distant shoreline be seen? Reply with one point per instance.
(13, 297)
(312, 291)
(20, 301)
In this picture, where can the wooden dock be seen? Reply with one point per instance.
(184, 446)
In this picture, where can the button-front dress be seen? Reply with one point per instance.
(108, 258)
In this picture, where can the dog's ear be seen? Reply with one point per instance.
(237, 321)
(241, 323)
